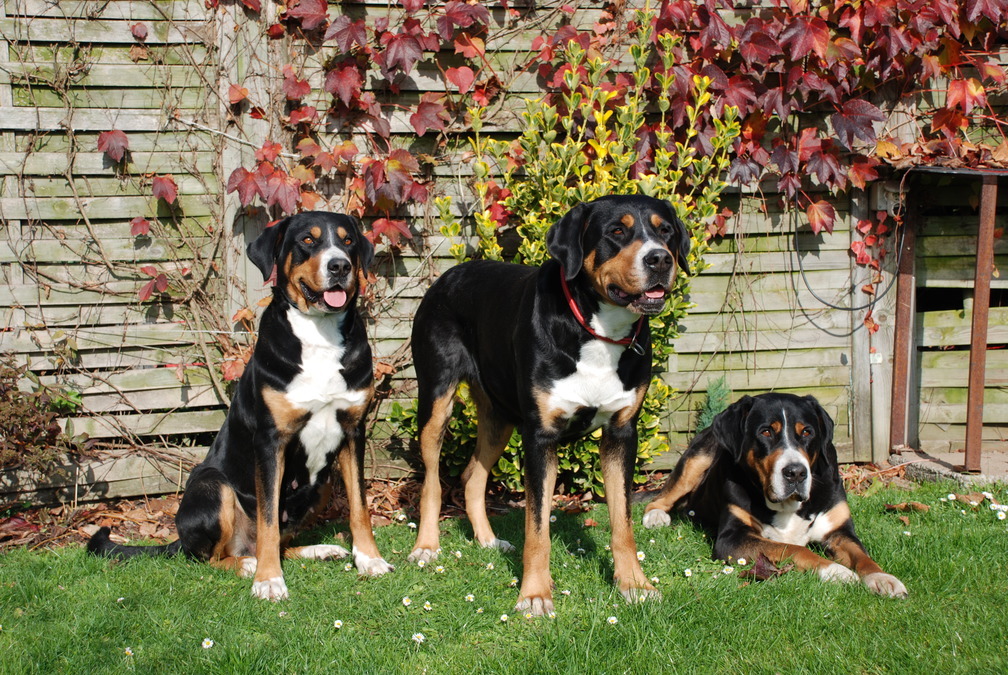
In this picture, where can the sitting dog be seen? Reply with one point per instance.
(299, 407)
(555, 351)
(763, 477)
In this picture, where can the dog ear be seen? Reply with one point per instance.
(264, 249)
(365, 248)
(680, 241)
(563, 241)
(729, 426)
(826, 448)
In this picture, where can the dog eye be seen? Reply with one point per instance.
(806, 432)
(765, 433)
(347, 241)
(616, 232)
(308, 240)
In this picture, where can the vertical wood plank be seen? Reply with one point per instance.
(860, 349)
(881, 360)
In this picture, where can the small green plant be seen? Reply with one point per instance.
(30, 434)
(716, 399)
(601, 132)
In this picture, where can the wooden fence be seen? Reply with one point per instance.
(769, 312)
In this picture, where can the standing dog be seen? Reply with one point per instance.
(555, 351)
(764, 477)
(300, 407)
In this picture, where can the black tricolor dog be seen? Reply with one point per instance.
(299, 408)
(764, 477)
(555, 351)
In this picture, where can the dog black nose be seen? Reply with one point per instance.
(794, 473)
(338, 267)
(658, 260)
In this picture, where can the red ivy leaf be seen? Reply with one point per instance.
(344, 82)
(402, 51)
(312, 13)
(460, 14)
(411, 6)
(139, 226)
(139, 31)
(862, 171)
(276, 31)
(244, 183)
(303, 115)
(347, 32)
(393, 229)
(146, 291)
(164, 187)
(854, 120)
(284, 190)
(149, 270)
(469, 46)
(821, 215)
(253, 5)
(462, 77)
(113, 143)
(430, 114)
(966, 94)
(804, 35)
(293, 88)
(268, 152)
(237, 94)
(257, 113)
(161, 283)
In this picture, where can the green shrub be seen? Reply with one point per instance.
(716, 399)
(578, 144)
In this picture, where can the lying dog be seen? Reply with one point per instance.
(764, 477)
(555, 351)
(300, 406)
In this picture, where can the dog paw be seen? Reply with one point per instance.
(247, 566)
(323, 552)
(656, 518)
(885, 584)
(270, 589)
(535, 606)
(371, 567)
(638, 595)
(838, 573)
(424, 555)
(501, 545)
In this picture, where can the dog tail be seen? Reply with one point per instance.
(101, 545)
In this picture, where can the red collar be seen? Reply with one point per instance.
(631, 340)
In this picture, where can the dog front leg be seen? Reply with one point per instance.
(844, 546)
(618, 455)
(351, 462)
(536, 595)
(269, 582)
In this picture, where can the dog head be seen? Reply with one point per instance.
(779, 438)
(626, 246)
(319, 259)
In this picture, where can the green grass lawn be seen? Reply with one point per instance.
(63, 611)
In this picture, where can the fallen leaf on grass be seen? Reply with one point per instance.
(764, 569)
(905, 520)
(908, 506)
(971, 499)
(590, 522)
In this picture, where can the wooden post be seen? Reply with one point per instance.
(981, 312)
(881, 353)
(860, 358)
(904, 338)
(244, 60)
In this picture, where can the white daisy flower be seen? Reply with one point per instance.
(612, 620)
(458, 554)
(490, 566)
(418, 638)
(479, 610)
(951, 496)
(406, 601)
(528, 615)
(687, 572)
(504, 618)
(411, 525)
(514, 582)
(207, 643)
(728, 569)
(427, 606)
(654, 580)
(552, 519)
(741, 561)
(337, 624)
(347, 567)
(128, 651)
(551, 614)
(565, 592)
(1001, 515)
(470, 597)
(421, 563)
(640, 555)
(439, 569)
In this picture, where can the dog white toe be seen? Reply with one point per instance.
(838, 573)
(656, 518)
(372, 567)
(885, 584)
(501, 545)
(424, 555)
(323, 552)
(271, 589)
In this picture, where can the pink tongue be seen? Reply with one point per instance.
(335, 298)
(655, 293)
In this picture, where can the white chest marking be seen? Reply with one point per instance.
(595, 384)
(320, 388)
(790, 528)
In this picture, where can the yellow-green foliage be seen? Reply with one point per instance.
(576, 152)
